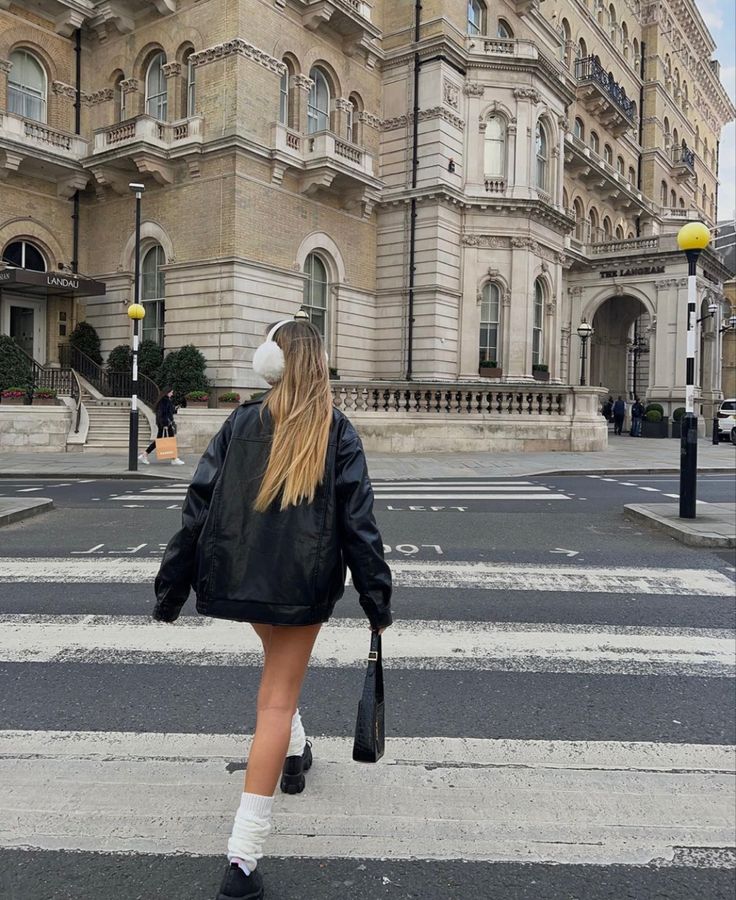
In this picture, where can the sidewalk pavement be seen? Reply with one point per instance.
(715, 525)
(14, 509)
(624, 455)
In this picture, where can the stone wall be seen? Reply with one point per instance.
(36, 428)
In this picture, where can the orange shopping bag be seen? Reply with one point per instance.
(166, 447)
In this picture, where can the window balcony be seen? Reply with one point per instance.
(349, 20)
(325, 162)
(145, 145)
(42, 152)
(683, 163)
(601, 179)
(625, 248)
(603, 97)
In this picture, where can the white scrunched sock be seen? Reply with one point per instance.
(251, 828)
(298, 737)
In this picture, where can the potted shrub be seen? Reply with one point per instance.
(334, 374)
(228, 400)
(197, 399)
(489, 368)
(15, 396)
(540, 371)
(677, 416)
(258, 394)
(654, 424)
(44, 397)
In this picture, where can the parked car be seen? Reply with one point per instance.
(726, 418)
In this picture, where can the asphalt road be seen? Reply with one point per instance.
(549, 627)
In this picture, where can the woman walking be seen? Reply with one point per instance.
(280, 503)
(165, 412)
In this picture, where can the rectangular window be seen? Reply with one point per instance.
(153, 323)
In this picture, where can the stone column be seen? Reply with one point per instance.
(301, 86)
(174, 95)
(134, 98)
(518, 319)
(341, 112)
(523, 180)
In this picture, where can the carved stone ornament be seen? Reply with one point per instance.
(302, 83)
(99, 96)
(473, 89)
(129, 85)
(450, 93)
(238, 47)
(439, 112)
(550, 308)
(527, 94)
(171, 70)
(5, 66)
(544, 267)
(370, 120)
(490, 241)
(64, 90)
(343, 104)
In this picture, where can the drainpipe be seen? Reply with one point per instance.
(413, 214)
(641, 131)
(77, 130)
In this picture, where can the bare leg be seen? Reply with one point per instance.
(286, 655)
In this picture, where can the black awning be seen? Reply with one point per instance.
(44, 284)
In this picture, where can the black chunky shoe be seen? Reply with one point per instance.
(292, 778)
(236, 885)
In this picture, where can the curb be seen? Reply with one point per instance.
(96, 476)
(636, 513)
(32, 508)
(711, 470)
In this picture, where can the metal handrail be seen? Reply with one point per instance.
(59, 380)
(111, 384)
(590, 69)
(77, 397)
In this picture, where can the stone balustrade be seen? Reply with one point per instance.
(147, 130)
(15, 130)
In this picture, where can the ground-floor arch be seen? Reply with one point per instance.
(619, 353)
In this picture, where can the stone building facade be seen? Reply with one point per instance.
(440, 188)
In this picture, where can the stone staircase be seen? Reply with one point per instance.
(108, 425)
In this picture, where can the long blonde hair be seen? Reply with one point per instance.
(300, 405)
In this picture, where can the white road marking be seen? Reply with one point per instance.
(627, 484)
(441, 574)
(476, 495)
(656, 490)
(413, 644)
(500, 489)
(674, 496)
(565, 802)
(28, 490)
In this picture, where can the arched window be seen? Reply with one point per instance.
(542, 152)
(504, 30)
(673, 199)
(632, 175)
(682, 203)
(153, 293)
(697, 138)
(595, 142)
(157, 103)
(476, 17)
(705, 198)
(284, 98)
(635, 54)
(685, 95)
(620, 165)
(318, 105)
(316, 289)
(663, 193)
(490, 324)
(594, 225)
(24, 255)
(352, 123)
(582, 50)
(612, 25)
(494, 154)
(713, 206)
(667, 133)
(191, 86)
(625, 39)
(27, 86)
(668, 65)
(608, 154)
(607, 229)
(538, 322)
(579, 129)
(619, 233)
(120, 97)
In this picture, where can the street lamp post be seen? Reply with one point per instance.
(585, 330)
(136, 312)
(692, 239)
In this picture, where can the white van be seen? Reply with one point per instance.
(726, 418)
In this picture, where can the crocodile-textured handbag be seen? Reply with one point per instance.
(370, 732)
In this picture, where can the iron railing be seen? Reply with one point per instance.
(589, 69)
(684, 156)
(47, 378)
(109, 384)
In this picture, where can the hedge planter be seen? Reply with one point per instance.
(225, 404)
(676, 430)
(541, 376)
(487, 372)
(197, 404)
(45, 401)
(655, 429)
(13, 401)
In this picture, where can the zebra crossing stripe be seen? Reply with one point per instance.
(413, 644)
(441, 574)
(565, 802)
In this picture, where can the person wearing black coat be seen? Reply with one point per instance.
(165, 412)
(280, 506)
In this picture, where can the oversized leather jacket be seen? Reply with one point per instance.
(281, 567)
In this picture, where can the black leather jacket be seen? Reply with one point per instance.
(276, 567)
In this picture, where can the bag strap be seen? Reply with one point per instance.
(375, 665)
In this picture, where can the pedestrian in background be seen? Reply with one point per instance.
(280, 502)
(637, 417)
(619, 414)
(607, 409)
(165, 412)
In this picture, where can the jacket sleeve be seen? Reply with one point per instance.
(177, 571)
(360, 538)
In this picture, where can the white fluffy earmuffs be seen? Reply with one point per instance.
(268, 360)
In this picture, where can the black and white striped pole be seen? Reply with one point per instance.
(692, 238)
(136, 312)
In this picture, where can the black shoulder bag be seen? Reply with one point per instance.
(370, 729)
